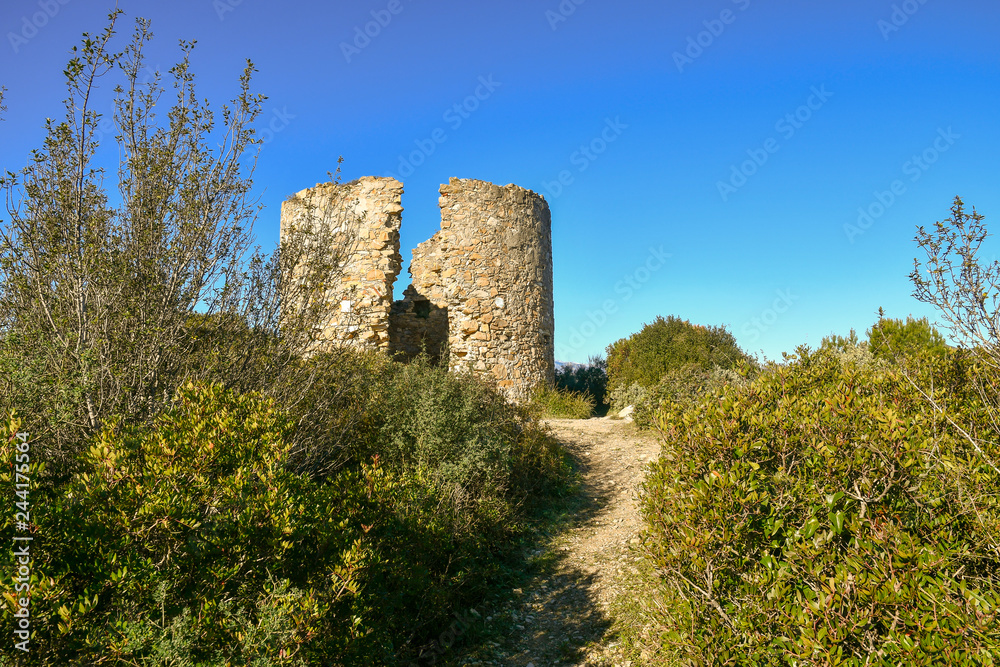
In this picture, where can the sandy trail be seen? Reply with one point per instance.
(562, 617)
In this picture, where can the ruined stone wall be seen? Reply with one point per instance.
(486, 277)
(480, 297)
(362, 219)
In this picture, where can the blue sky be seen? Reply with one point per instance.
(701, 159)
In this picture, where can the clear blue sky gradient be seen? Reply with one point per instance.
(594, 94)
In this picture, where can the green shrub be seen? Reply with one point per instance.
(194, 539)
(843, 344)
(338, 400)
(190, 542)
(453, 428)
(685, 386)
(471, 467)
(822, 514)
(895, 339)
(626, 395)
(559, 403)
(664, 344)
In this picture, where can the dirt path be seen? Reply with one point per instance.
(562, 617)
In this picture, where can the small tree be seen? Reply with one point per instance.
(966, 293)
(897, 339)
(98, 293)
(665, 344)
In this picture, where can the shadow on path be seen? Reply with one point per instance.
(559, 615)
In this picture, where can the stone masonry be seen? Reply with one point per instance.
(480, 297)
(362, 220)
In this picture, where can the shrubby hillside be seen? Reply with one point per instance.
(823, 513)
(207, 487)
(840, 507)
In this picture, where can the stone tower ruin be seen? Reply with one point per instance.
(480, 297)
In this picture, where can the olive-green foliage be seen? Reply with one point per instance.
(467, 467)
(334, 396)
(196, 540)
(590, 379)
(897, 339)
(191, 542)
(337, 399)
(667, 343)
(623, 396)
(559, 403)
(822, 514)
(107, 302)
(848, 343)
(685, 385)
(452, 428)
(473, 466)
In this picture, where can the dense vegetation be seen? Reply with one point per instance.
(637, 365)
(912, 340)
(590, 379)
(822, 513)
(579, 392)
(162, 522)
(206, 488)
(840, 508)
(560, 403)
(665, 344)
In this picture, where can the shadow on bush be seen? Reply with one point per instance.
(209, 537)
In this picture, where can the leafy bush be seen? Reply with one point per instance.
(644, 357)
(685, 385)
(338, 400)
(467, 468)
(190, 541)
(895, 339)
(559, 403)
(193, 540)
(823, 514)
(452, 428)
(843, 344)
(590, 379)
(624, 396)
